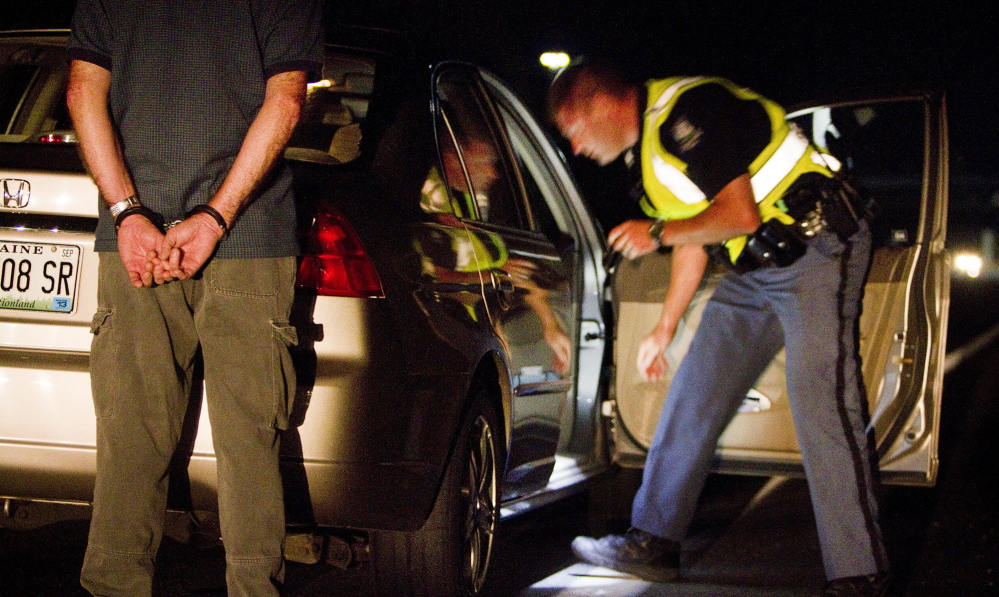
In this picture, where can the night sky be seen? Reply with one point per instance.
(787, 50)
(792, 52)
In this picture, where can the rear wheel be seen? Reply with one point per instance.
(450, 555)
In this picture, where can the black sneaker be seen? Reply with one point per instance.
(636, 552)
(874, 585)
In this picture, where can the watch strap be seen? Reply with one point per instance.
(656, 232)
(117, 208)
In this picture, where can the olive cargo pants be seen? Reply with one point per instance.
(143, 354)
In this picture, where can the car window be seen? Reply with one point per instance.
(329, 129)
(549, 209)
(33, 109)
(32, 94)
(475, 171)
(15, 82)
(883, 152)
(436, 196)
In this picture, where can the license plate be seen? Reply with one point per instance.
(38, 276)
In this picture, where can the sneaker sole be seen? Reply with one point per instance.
(644, 572)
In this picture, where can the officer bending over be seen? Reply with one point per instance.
(721, 172)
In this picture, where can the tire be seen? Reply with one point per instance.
(449, 556)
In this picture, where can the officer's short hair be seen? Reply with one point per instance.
(576, 84)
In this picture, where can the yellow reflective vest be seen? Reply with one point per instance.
(671, 195)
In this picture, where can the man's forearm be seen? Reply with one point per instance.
(732, 213)
(688, 269)
(689, 262)
(86, 97)
(266, 139)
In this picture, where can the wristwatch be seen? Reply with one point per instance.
(122, 205)
(656, 232)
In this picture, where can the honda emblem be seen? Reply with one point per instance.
(16, 192)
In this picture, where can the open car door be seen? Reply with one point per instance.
(895, 150)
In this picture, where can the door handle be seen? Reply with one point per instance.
(503, 284)
(502, 281)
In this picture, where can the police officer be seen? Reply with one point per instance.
(721, 172)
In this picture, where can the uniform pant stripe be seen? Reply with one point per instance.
(860, 466)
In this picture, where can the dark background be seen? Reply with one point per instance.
(791, 52)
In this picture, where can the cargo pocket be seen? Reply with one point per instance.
(102, 362)
(283, 337)
(101, 320)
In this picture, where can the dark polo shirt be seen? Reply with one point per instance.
(187, 79)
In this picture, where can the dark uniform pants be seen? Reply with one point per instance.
(810, 307)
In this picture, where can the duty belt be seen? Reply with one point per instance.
(816, 202)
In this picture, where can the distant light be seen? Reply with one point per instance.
(323, 83)
(554, 60)
(968, 263)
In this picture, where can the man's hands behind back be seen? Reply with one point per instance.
(139, 241)
(186, 247)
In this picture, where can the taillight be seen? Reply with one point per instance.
(58, 138)
(337, 264)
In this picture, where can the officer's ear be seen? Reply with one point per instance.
(611, 108)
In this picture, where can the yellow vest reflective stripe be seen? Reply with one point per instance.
(670, 194)
(790, 150)
(676, 182)
(780, 164)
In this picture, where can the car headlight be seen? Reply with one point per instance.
(968, 263)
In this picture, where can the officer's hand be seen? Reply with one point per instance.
(138, 241)
(521, 271)
(561, 347)
(188, 245)
(652, 364)
(632, 239)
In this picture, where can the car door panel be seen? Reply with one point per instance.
(573, 304)
(525, 291)
(526, 317)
